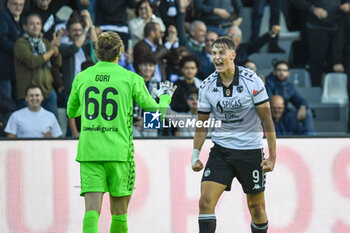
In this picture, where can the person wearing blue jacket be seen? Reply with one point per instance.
(286, 122)
(277, 84)
(10, 31)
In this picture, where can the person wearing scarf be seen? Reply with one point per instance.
(34, 56)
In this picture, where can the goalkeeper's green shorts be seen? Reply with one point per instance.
(117, 178)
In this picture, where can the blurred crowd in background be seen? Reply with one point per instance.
(44, 44)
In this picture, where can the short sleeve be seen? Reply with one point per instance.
(203, 102)
(259, 92)
(11, 126)
(56, 129)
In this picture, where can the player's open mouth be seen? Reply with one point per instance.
(219, 64)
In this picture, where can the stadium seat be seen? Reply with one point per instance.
(246, 24)
(329, 118)
(300, 77)
(335, 89)
(335, 92)
(311, 94)
(267, 60)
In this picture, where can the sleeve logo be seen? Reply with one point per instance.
(255, 92)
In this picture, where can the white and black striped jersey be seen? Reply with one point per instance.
(234, 106)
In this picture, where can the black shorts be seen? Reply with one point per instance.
(225, 164)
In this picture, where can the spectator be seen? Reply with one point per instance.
(112, 16)
(168, 11)
(144, 13)
(33, 121)
(277, 84)
(286, 123)
(257, 14)
(79, 48)
(7, 106)
(10, 31)
(126, 60)
(173, 70)
(145, 68)
(34, 56)
(219, 16)
(151, 44)
(194, 41)
(252, 66)
(47, 9)
(245, 49)
(89, 5)
(207, 67)
(324, 29)
(192, 102)
(189, 68)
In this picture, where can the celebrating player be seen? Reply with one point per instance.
(103, 96)
(237, 97)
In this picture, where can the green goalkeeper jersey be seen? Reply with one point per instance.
(103, 96)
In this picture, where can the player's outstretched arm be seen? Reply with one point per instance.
(146, 101)
(198, 141)
(166, 89)
(264, 113)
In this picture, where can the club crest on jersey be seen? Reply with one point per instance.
(207, 172)
(228, 92)
(240, 89)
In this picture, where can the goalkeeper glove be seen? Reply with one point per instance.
(165, 88)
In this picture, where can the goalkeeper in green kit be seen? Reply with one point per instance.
(103, 96)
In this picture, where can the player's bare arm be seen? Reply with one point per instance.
(198, 141)
(264, 113)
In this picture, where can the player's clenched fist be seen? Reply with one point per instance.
(197, 165)
(268, 165)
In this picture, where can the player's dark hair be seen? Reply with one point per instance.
(226, 42)
(109, 46)
(33, 86)
(74, 18)
(189, 58)
(150, 27)
(281, 62)
(26, 19)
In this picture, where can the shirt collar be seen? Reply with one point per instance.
(235, 79)
(196, 42)
(153, 47)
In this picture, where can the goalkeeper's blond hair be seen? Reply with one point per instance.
(109, 46)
